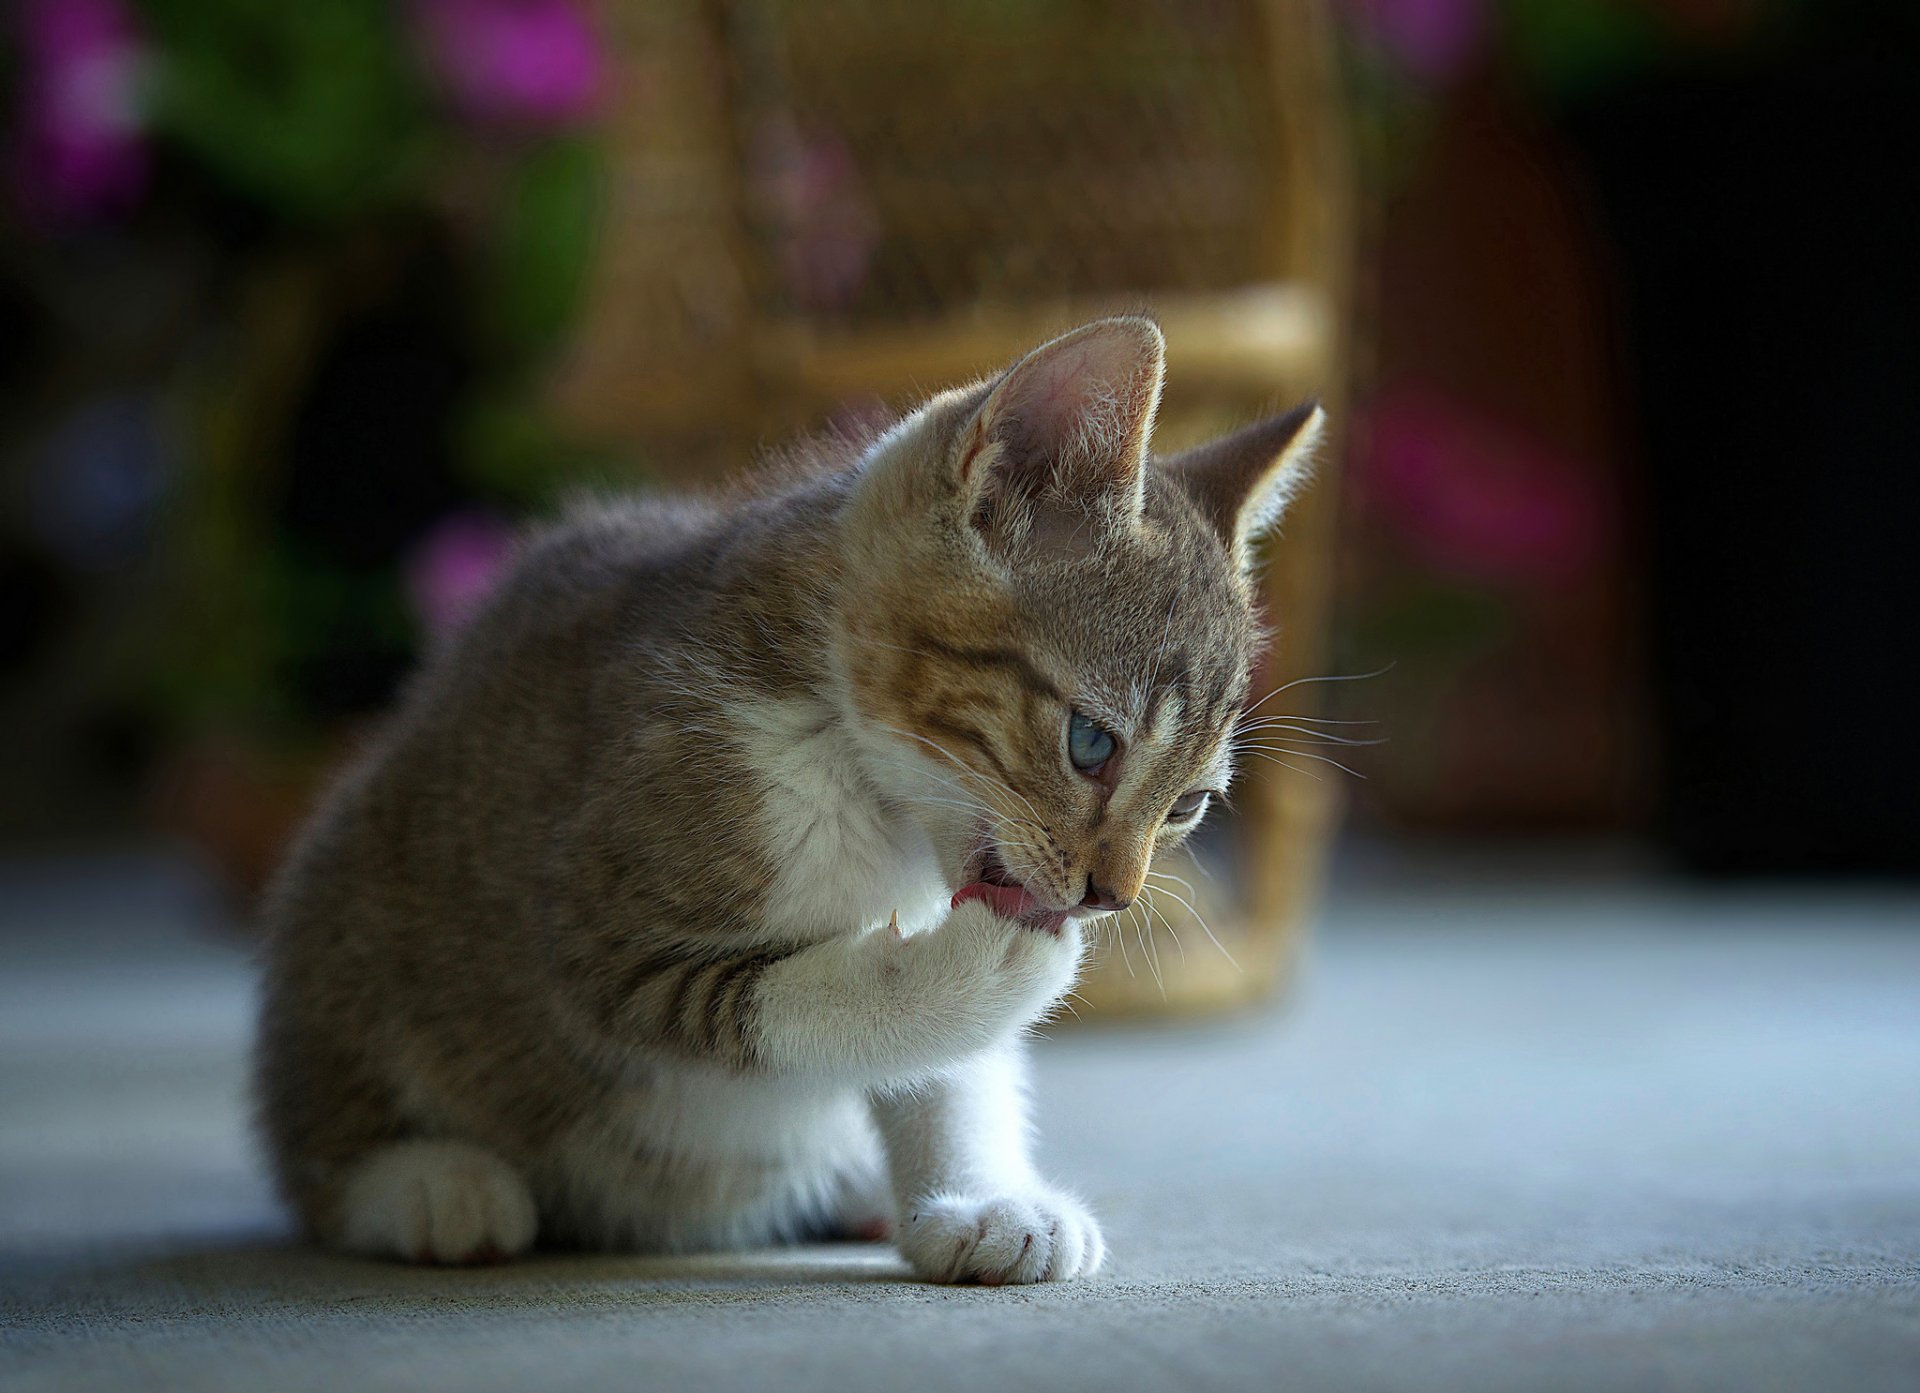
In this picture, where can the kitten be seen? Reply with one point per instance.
(703, 888)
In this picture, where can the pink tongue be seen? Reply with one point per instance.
(1011, 902)
(1008, 901)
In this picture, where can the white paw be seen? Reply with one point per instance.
(442, 1202)
(1036, 1237)
(993, 969)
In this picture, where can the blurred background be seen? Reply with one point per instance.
(304, 308)
(1597, 668)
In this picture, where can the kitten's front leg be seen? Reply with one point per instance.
(971, 1207)
(878, 1009)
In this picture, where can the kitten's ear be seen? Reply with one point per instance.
(1069, 423)
(1243, 482)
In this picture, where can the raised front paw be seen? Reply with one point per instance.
(990, 968)
(1040, 1236)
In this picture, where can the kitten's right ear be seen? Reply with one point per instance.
(1067, 427)
(1243, 482)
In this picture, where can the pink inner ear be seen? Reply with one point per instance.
(1042, 409)
(1078, 397)
(1055, 395)
(1086, 399)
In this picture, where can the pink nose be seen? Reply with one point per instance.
(1097, 898)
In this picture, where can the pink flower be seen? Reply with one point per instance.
(78, 149)
(515, 61)
(1473, 497)
(1432, 40)
(455, 567)
(825, 231)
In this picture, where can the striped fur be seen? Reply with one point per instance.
(632, 927)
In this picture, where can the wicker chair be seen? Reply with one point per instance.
(820, 203)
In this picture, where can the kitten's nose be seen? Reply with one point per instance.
(1098, 898)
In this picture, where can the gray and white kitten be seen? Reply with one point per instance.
(703, 888)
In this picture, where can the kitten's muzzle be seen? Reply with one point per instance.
(1104, 900)
(994, 885)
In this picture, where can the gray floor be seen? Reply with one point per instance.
(1514, 1131)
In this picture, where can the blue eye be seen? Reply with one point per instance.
(1088, 746)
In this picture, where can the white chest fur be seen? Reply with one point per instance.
(843, 860)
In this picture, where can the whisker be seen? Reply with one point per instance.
(1317, 720)
(1205, 928)
(999, 819)
(974, 799)
(1304, 681)
(1281, 732)
(1200, 867)
(1152, 955)
(1275, 759)
(958, 789)
(1120, 938)
(963, 766)
(1172, 932)
(1177, 880)
(966, 798)
(1303, 754)
(1307, 733)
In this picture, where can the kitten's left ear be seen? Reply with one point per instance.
(1243, 482)
(1070, 422)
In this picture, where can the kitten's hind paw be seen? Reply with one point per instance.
(1037, 1237)
(439, 1202)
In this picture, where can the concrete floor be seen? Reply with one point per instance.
(1516, 1130)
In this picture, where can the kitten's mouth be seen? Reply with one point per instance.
(995, 885)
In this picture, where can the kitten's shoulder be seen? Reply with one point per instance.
(604, 534)
(607, 533)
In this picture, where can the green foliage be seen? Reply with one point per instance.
(1574, 46)
(545, 242)
(516, 455)
(313, 108)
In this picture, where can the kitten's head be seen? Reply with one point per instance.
(1048, 633)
